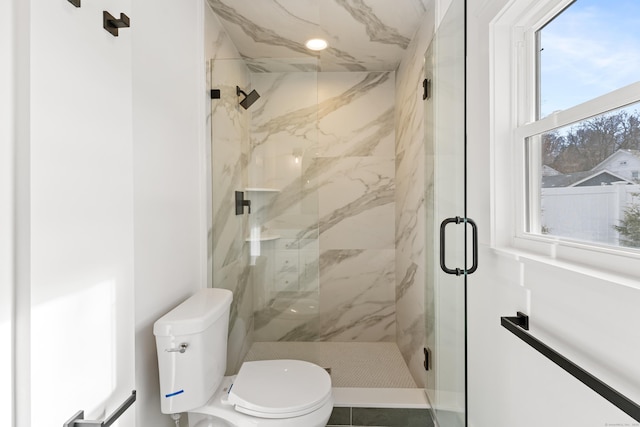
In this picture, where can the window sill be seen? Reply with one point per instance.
(605, 269)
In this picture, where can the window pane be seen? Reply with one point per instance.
(583, 180)
(591, 48)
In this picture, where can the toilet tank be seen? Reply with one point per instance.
(191, 342)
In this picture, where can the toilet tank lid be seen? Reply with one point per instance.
(195, 314)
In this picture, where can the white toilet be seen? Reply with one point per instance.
(191, 341)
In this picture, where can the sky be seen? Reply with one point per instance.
(591, 48)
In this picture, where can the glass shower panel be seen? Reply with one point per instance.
(229, 148)
(267, 257)
(282, 177)
(445, 148)
(229, 263)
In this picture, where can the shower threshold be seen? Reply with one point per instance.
(363, 374)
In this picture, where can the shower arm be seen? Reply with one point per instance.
(240, 92)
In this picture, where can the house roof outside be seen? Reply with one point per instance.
(582, 179)
(549, 171)
(604, 173)
(603, 164)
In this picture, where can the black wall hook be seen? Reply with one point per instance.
(76, 3)
(111, 24)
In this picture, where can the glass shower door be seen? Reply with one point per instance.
(447, 224)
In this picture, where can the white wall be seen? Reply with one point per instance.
(102, 196)
(80, 258)
(8, 36)
(19, 207)
(590, 316)
(169, 175)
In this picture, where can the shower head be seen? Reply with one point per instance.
(249, 99)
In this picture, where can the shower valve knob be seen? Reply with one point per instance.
(241, 202)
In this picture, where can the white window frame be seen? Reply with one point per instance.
(513, 113)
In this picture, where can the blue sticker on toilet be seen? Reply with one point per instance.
(175, 393)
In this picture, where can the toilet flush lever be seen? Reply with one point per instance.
(181, 349)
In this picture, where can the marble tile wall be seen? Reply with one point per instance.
(414, 179)
(362, 36)
(356, 201)
(326, 141)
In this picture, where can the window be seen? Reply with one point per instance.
(587, 50)
(580, 137)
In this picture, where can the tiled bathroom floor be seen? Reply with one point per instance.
(353, 364)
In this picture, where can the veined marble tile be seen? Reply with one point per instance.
(284, 136)
(409, 77)
(229, 141)
(238, 344)
(229, 145)
(283, 127)
(357, 203)
(283, 65)
(286, 315)
(414, 245)
(229, 162)
(411, 208)
(356, 302)
(218, 44)
(237, 278)
(411, 322)
(262, 267)
(356, 115)
(357, 298)
(362, 34)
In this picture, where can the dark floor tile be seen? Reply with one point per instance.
(392, 417)
(340, 417)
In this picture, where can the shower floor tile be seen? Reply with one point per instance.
(359, 364)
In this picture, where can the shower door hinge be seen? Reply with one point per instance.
(426, 85)
(427, 359)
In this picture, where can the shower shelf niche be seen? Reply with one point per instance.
(261, 195)
(263, 238)
(261, 190)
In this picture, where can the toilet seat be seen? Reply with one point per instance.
(279, 388)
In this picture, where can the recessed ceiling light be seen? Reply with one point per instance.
(316, 44)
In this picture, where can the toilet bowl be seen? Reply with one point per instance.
(191, 343)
